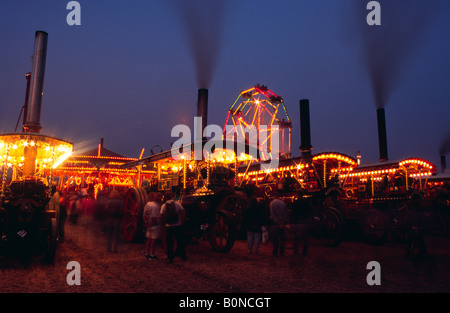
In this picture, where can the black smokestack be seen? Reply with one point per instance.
(202, 107)
(202, 112)
(203, 22)
(27, 97)
(443, 163)
(37, 83)
(305, 130)
(382, 137)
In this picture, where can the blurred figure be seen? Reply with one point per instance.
(54, 200)
(152, 224)
(87, 204)
(253, 220)
(53, 204)
(62, 214)
(83, 200)
(279, 215)
(173, 218)
(74, 208)
(100, 207)
(301, 225)
(113, 219)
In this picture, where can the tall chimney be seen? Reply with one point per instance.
(37, 83)
(202, 107)
(33, 114)
(305, 131)
(443, 163)
(27, 97)
(382, 138)
(202, 112)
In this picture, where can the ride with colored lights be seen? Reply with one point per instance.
(330, 192)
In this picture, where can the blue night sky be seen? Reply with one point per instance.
(127, 73)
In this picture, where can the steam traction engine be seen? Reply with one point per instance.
(26, 223)
(333, 193)
(389, 198)
(205, 188)
(304, 184)
(28, 158)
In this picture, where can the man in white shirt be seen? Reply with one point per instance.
(152, 224)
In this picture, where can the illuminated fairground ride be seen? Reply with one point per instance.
(26, 155)
(261, 108)
(99, 170)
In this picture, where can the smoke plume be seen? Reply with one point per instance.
(387, 48)
(203, 21)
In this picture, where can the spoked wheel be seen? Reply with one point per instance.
(233, 206)
(328, 227)
(374, 227)
(223, 233)
(401, 222)
(133, 222)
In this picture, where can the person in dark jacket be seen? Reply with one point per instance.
(253, 221)
(175, 229)
(113, 218)
(279, 215)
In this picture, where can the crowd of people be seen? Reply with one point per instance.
(163, 216)
(103, 213)
(165, 221)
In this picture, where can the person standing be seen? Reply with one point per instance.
(74, 208)
(279, 215)
(253, 221)
(62, 214)
(54, 205)
(173, 218)
(114, 214)
(152, 224)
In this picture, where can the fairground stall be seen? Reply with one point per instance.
(100, 169)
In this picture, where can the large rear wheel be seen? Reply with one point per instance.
(233, 207)
(328, 226)
(133, 222)
(374, 227)
(223, 233)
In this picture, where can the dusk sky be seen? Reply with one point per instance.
(129, 73)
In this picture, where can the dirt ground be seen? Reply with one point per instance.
(341, 269)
